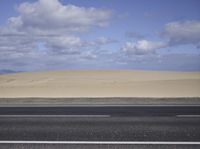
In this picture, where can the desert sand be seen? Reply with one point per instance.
(100, 83)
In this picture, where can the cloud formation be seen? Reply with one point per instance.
(177, 33)
(54, 25)
(182, 32)
(142, 47)
(43, 16)
(49, 34)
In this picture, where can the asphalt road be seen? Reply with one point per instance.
(100, 123)
(56, 146)
(112, 110)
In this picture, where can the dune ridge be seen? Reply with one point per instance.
(100, 83)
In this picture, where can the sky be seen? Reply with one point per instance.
(100, 34)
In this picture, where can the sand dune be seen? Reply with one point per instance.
(100, 83)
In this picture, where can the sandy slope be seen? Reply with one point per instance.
(107, 83)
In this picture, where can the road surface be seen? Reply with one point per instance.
(108, 126)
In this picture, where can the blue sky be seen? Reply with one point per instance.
(100, 34)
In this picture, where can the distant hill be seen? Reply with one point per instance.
(5, 71)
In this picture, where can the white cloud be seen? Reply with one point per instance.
(89, 55)
(50, 15)
(142, 47)
(65, 42)
(53, 24)
(74, 45)
(186, 32)
(177, 33)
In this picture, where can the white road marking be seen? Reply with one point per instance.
(103, 142)
(188, 116)
(98, 105)
(57, 116)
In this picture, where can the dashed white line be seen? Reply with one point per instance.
(98, 105)
(188, 116)
(57, 116)
(103, 142)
